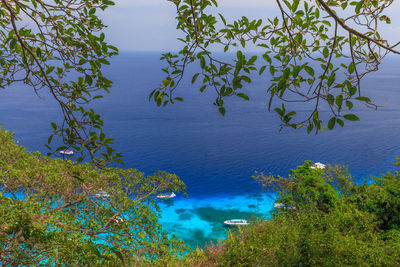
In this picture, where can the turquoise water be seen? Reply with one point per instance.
(216, 156)
(200, 221)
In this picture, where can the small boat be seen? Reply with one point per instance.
(118, 219)
(283, 206)
(236, 222)
(102, 194)
(318, 165)
(166, 196)
(67, 152)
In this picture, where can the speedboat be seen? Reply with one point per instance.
(236, 222)
(166, 196)
(318, 165)
(67, 152)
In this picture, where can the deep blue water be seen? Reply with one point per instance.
(216, 156)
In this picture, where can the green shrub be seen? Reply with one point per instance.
(328, 220)
(50, 214)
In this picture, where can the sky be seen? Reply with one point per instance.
(149, 25)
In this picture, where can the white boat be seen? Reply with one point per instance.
(318, 165)
(236, 222)
(170, 195)
(67, 152)
(283, 206)
(118, 219)
(102, 194)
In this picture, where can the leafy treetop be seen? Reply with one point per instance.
(58, 46)
(316, 53)
(58, 212)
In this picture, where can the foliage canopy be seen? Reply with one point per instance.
(324, 219)
(58, 46)
(315, 52)
(56, 211)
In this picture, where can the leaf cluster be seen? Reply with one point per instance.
(315, 52)
(58, 48)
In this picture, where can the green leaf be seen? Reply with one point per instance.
(349, 104)
(340, 122)
(331, 99)
(244, 96)
(331, 79)
(351, 117)
(339, 100)
(97, 97)
(202, 62)
(39, 52)
(50, 139)
(317, 13)
(309, 70)
(359, 6)
(325, 52)
(295, 5)
(363, 98)
(222, 111)
(310, 128)
(195, 77)
(351, 68)
(13, 42)
(222, 18)
(331, 123)
(239, 55)
(262, 69)
(49, 69)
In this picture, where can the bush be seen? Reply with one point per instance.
(55, 211)
(332, 222)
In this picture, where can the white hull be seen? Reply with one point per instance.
(236, 222)
(166, 196)
(67, 152)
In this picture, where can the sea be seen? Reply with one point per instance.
(216, 156)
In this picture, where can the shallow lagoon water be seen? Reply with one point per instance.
(216, 156)
(200, 221)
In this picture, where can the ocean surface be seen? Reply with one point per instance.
(216, 156)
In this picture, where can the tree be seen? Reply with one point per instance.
(58, 46)
(58, 212)
(316, 52)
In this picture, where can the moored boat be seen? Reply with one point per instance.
(236, 222)
(283, 206)
(102, 194)
(67, 152)
(318, 165)
(166, 196)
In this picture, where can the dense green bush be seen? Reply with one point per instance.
(57, 212)
(328, 220)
